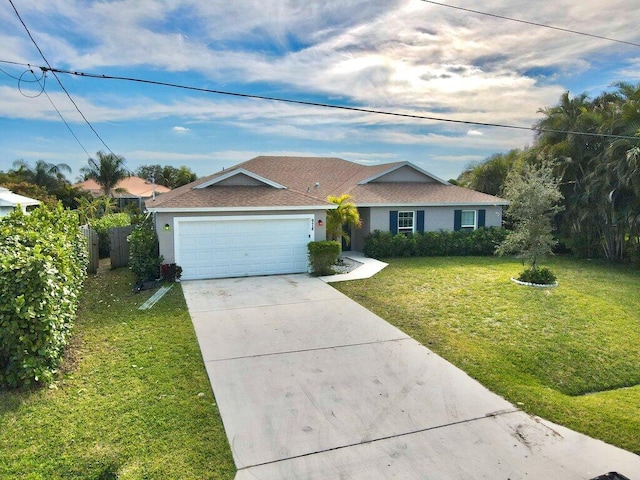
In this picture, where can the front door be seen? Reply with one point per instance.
(347, 229)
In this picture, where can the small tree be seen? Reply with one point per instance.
(345, 214)
(144, 257)
(533, 195)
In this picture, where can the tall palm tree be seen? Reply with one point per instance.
(47, 175)
(345, 214)
(107, 171)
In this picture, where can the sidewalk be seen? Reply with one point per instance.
(369, 267)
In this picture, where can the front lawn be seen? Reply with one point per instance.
(134, 401)
(569, 354)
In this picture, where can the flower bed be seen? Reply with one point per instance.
(538, 285)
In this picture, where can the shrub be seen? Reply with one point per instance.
(322, 256)
(144, 252)
(539, 276)
(378, 245)
(43, 261)
(170, 272)
(482, 241)
(102, 226)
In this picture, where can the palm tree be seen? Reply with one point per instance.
(489, 176)
(47, 175)
(107, 171)
(345, 214)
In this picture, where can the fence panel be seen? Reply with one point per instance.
(118, 246)
(92, 247)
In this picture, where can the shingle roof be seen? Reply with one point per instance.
(308, 182)
(419, 193)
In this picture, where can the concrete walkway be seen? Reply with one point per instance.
(311, 385)
(369, 267)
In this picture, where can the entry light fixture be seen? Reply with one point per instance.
(167, 227)
(320, 223)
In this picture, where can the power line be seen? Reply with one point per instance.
(62, 118)
(330, 105)
(59, 82)
(567, 30)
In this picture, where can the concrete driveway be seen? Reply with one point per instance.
(311, 385)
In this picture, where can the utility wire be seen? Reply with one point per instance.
(325, 105)
(62, 118)
(330, 105)
(59, 82)
(567, 30)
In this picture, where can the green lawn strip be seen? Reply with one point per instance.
(134, 400)
(547, 350)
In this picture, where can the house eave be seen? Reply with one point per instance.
(434, 204)
(279, 208)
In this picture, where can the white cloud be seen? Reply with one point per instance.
(400, 55)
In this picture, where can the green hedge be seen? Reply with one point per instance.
(323, 256)
(482, 241)
(43, 262)
(102, 226)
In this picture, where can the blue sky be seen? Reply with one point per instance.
(398, 55)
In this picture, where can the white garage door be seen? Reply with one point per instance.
(240, 246)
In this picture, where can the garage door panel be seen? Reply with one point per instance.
(218, 247)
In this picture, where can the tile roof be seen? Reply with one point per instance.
(308, 182)
(135, 186)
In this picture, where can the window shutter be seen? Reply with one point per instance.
(420, 222)
(481, 217)
(393, 221)
(457, 220)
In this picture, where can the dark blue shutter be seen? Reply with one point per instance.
(393, 221)
(420, 224)
(457, 220)
(481, 217)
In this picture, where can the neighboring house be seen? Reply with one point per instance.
(256, 218)
(9, 201)
(127, 191)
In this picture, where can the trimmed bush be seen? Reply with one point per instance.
(539, 276)
(322, 256)
(43, 261)
(480, 242)
(102, 226)
(144, 252)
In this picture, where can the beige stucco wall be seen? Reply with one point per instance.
(435, 218)
(166, 237)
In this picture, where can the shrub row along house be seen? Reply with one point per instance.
(257, 217)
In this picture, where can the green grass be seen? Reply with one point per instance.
(569, 354)
(134, 401)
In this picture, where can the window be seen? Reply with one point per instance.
(468, 220)
(406, 222)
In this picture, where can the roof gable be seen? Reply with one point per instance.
(240, 177)
(404, 172)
